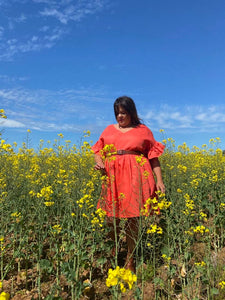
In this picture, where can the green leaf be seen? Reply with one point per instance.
(214, 291)
(101, 261)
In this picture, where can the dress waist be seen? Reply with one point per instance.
(123, 152)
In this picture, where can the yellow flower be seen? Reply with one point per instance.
(141, 160)
(122, 277)
(198, 229)
(146, 174)
(98, 219)
(154, 229)
(194, 183)
(56, 229)
(87, 133)
(2, 114)
(4, 296)
(167, 259)
(122, 287)
(121, 196)
(164, 256)
(49, 203)
(108, 151)
(203, 216)
(182, 168)
(46, 193)
(200, 264)
(15, 214)
(222, 284)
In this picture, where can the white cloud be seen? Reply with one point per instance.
(55, 13)
(71, 110)
(1, 31)
(12, 79)
(47, 110)
(44, 28)
(199, 119)
(22, 18)
(35, 43)
(65, 12)
(11, 124)
(214, 117)
(53, 17)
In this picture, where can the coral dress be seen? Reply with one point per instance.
(130, 180)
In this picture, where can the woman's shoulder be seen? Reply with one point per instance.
(143, 128)
(145, 132)
(107, 129)
(110, 127)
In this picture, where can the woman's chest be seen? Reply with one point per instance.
(128, 140)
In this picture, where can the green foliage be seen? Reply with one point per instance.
(50, 231)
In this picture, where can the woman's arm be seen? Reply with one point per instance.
(155, 164)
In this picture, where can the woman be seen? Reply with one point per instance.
(128, 154)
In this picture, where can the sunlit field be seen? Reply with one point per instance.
(54, 243)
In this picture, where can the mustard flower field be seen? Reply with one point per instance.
(54, 243)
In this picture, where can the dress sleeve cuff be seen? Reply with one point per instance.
(156, 150)
(97, 147)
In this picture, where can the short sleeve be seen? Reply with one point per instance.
(156, 150)
(98, 146)
(153, 148)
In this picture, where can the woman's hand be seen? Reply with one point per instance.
(99, 166)
(160, 186)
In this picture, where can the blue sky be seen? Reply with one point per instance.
(64, 62)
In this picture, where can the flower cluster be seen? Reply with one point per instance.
(222, 284)
(17, 216)
(2, 244)
(98, 219)
(5, 147)
(154, 229)
(4, 296)
(190, 206)
(141, 160)
(108, 151)
(198, 229)
(167, 259)
(49, 203)
(56, 229)
(200, 264)
(2, 114)
(155, 205)
(46, 193)
(122, 277)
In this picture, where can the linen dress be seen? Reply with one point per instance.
(130, 180)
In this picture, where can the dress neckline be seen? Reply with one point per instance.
(117, 129)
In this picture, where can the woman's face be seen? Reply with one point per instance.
(123, 118)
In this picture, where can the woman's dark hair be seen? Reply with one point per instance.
(129, 106)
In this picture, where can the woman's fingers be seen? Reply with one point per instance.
(99, 167)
